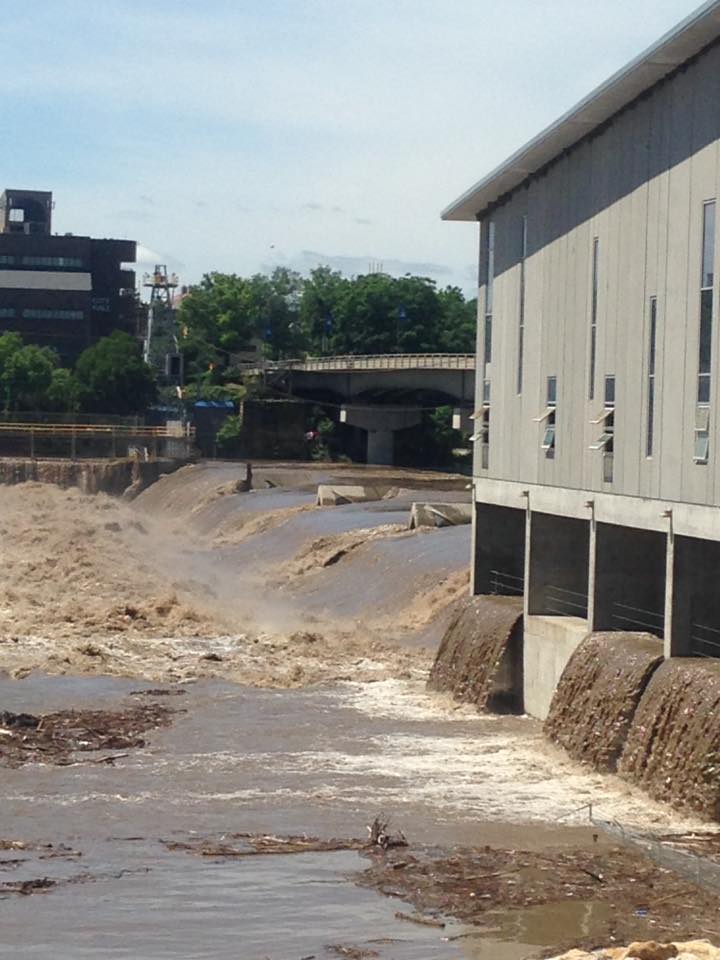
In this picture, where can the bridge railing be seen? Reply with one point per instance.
(380, 361)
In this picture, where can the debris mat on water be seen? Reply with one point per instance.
(479, 660)
(599, 693)
(634, 897)
(55, 737)
(673, 748)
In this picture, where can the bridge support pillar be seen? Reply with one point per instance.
(462, 420)
(381, 423)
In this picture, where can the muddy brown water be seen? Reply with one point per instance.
(473, 649)
(322, 762)
(598, 695)
(673, 746)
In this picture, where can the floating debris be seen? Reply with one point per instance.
(55, 737)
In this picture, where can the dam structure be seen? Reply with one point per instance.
(596, 475)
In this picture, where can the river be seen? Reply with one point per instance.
(321, 760)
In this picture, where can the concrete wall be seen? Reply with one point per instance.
(638, 185)
(549, 642)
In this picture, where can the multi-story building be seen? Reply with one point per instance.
(597, 461)
(60, 291)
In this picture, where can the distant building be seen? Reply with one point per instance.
(63, 292)
(597, 454)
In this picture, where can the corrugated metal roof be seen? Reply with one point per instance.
(670, 52)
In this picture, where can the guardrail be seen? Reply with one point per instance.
(9, 428)
(76, 438)
(380, 361)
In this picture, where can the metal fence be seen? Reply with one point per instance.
(505, 584)
(565, 603)
(699, 870)
(626, 617)
(661, 850)
(704, 640)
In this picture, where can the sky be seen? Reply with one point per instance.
(240, 135)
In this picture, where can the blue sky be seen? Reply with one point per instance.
(237, 135)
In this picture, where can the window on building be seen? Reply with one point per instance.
(67, 262)
(17, 215)
(652, 343)
(7, 312)
(482, 428)
(53, 314)
(547, 417)
(606, 441)
(702, 435)
(6, 260)
(521, 314)
(489, 285)
(594, 316)
(706, 303)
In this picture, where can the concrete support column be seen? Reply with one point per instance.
(380, 447)
(380, 422)
(592, 570)
(682, 573)
(461, 420)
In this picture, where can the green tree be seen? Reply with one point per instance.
(321, 295)
(10, 343)
(26, 376)
(382, 314)
(113, 376)
(458, 322)
(63, 393)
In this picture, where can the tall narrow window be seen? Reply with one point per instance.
(706, 302)
(548, 418)
(650, 434)
(606, 441)
(521, 315)
(489, 283)
(593, 316)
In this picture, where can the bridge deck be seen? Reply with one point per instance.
(387, 361)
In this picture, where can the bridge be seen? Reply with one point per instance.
(379, 393)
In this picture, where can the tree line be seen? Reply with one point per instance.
(109, 377)
(324, 313)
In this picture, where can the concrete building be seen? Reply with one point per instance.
(60, 291)
(597, 462)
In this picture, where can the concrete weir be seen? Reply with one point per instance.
(127, 477)
(440, 514)
(598, 695)
(480, 658)
(673, 746)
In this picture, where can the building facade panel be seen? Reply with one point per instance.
(611, 227)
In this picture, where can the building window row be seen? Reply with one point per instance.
(67, 262)
(53, 314)
(7, 312)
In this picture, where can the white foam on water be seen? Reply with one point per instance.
(393, 699)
